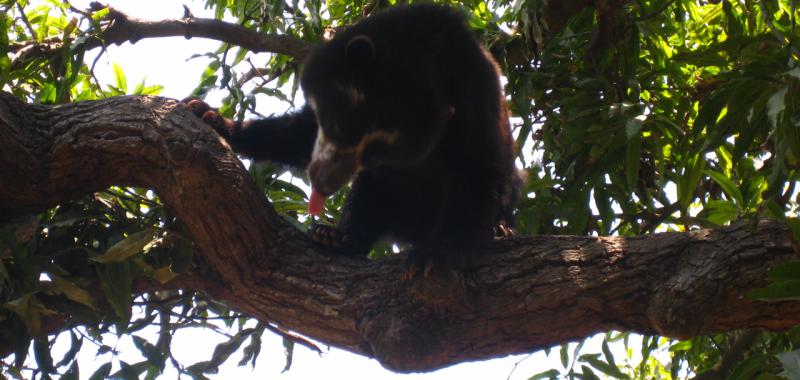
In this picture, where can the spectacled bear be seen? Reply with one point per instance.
(408, 105)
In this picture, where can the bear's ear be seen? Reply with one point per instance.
(360, 50)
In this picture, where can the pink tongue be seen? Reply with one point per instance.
(315, 202)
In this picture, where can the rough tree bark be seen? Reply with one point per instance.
(527, 293)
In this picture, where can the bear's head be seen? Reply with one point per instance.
(373, 109)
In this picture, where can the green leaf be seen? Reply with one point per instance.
(609, 356)
(75, 346)
(749, 368)
(47, 94)
(71, 291)
(221, 353)
(774, 210)
(587, 373)
(288, 346)
(125, 248)
(690, 179)
(564, 355)
(785, 272)
(518, 4)
(794, 226)
(141, 89)
(633, 126)
(20, 341)
(73, 373)
(684, 345)
(101, 372)
(549, 374)
(4, 41)
(709, 111)
(101, 14)
(103, 349)
(152, 90)
(725, 160)
(649, 344)
(251, 351)
(633, 153)
(116, 281)
(30, 311)
(5, 69)
(730, 188)
(778, 291)
(606, 368)
(732, 21)
(119, 75)
(150, 352)
(776, 105)
(719, 212)
(131, 371)
(41, 352)
(603, 202)
(5, 61)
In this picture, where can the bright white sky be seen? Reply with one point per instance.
(164, 61)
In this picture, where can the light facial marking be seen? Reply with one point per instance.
(377, 135)
(323, 149)
(326, 151)
(312, 102)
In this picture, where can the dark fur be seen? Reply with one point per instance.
(448, 176)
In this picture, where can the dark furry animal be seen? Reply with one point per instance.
(408, 105)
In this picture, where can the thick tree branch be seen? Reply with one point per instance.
(526, 293)
(122, 28)
(125, 28)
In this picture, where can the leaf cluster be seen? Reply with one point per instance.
(640, 122)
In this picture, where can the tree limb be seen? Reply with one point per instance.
(123, 28)
(526, 293)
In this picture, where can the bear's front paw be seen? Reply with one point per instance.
(210, 115)
(502, 230)
(196, 105)
(328, 236)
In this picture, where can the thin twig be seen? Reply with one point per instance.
(26, 22)
(517, 364)
(91, 71)
(294, 338)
